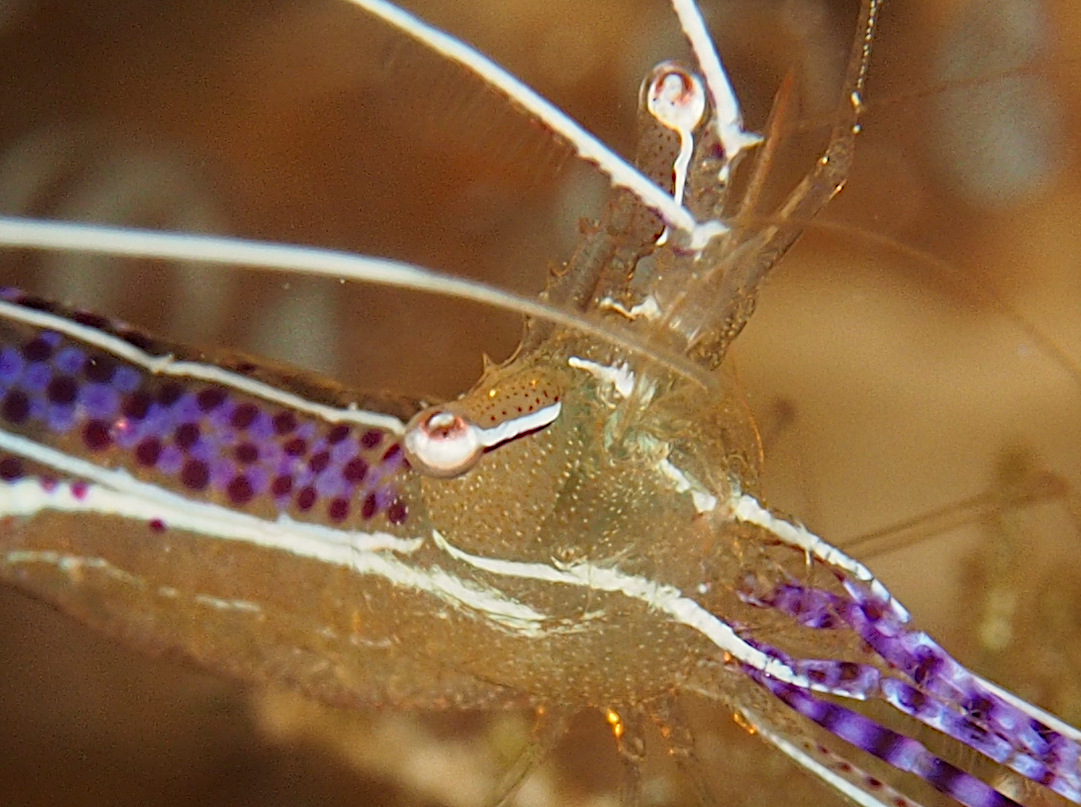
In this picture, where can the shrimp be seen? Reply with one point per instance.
(731, 443)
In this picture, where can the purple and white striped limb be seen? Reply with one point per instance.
(940, 692)
(900, 751)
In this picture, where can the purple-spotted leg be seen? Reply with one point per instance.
(583, 364)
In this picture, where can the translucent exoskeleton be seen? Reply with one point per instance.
(915, 383)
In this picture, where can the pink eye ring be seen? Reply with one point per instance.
(442, 443)
(675, 97)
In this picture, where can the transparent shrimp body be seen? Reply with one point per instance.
(616, 443)
(532, 547)
(598, 452)
(592, 490)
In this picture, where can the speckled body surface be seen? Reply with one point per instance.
(932, 445)
(203, 438)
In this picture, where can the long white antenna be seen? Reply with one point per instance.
(619, 171)
(129, 242)
(727, 117)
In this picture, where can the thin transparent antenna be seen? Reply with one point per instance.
(982, 292)
(629, 730)
(677, 735)
(779, 121)
(741, 279)
(130, 242)
(549, 727)
(1038, 488)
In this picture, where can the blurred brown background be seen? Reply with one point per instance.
(886, 361)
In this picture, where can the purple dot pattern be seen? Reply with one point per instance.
(1041, 754)
(207, 440)
(845, 769)
(941, 693)
(219, 444)
(900, 751)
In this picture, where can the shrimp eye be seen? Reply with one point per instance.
(442, 443)
(675, 97)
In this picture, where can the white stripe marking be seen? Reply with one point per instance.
(858, 794)
(124, 241)
(1048, 719)
(117, 493)
(647, 309)
(726, 115)
(168, 366)
(621, 378)
(657, 596)
(74, 564)
(704, 501)
(619, 171)
(509, 429)
(70, 564)
(227, 605)
(748, 510)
